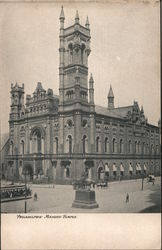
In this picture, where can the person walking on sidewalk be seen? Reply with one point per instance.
(127, 198)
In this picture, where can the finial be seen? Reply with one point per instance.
(87, 23)
(91, 78)
(77, 17)
(62, 16)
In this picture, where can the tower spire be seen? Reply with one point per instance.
(77, 17)
(111, 94)
(62, 16)
(87, 23)
(110, 98)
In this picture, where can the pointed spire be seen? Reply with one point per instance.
(142, 109)
(62, 16)
(111, 94)
(91, 81)
(110, 98)
(87, 23)
(77, 17)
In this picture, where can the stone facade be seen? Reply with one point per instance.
(56, 138)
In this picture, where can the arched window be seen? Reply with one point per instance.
(152, 149)
(147, 148)
(56, 145)
(84, 144)
(136, 147)
(11, 148)
(139, 147)
(121, 146)
(106, 145)
(97, 144)
(114, 146)
(70, 143)
(82, 53)
(67, 172)
(144, 148)
(70, 53)
(129, 146)
(22, 147)
(157, 149)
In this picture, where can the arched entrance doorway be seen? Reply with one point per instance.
(28, 171)
(101, 173)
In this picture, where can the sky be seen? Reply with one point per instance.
(125, 51)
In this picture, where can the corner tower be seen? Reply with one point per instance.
(73, 69)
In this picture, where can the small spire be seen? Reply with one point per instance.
(142, 109)
(87, 23)
(91, 81)
(62, 16)
(77, 17)
(111, 94)
(91, 78)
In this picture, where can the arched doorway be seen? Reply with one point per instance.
(28, 171)
(101, 173)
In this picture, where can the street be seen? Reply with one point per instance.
(112, 199)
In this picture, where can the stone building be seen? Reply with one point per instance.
(57, 138)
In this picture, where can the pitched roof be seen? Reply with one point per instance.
(116, 112)
(123, 110)
(104, 111)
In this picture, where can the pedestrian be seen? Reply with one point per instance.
(127, 198)
(35, 196)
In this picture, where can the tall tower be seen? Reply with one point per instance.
(17, 101)
(110, 98)
(73, 70)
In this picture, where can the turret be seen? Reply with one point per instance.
(77, 17)
(61, 51)
(87, 23)
(110, 98)
(17, 100)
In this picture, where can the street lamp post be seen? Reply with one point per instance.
(25, 194)
(142, 181)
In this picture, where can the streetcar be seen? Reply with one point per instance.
(15, 192)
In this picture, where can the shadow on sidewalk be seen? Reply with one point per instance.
(154, 197)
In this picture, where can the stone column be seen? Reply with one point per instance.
(43, 167)
(27, 140)
(92, 133)
(30, 146)
(102, 139)
(48, 137)
(34, 170)
(42, 145)
(61, 134)
(89, 173)
(77, 133)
